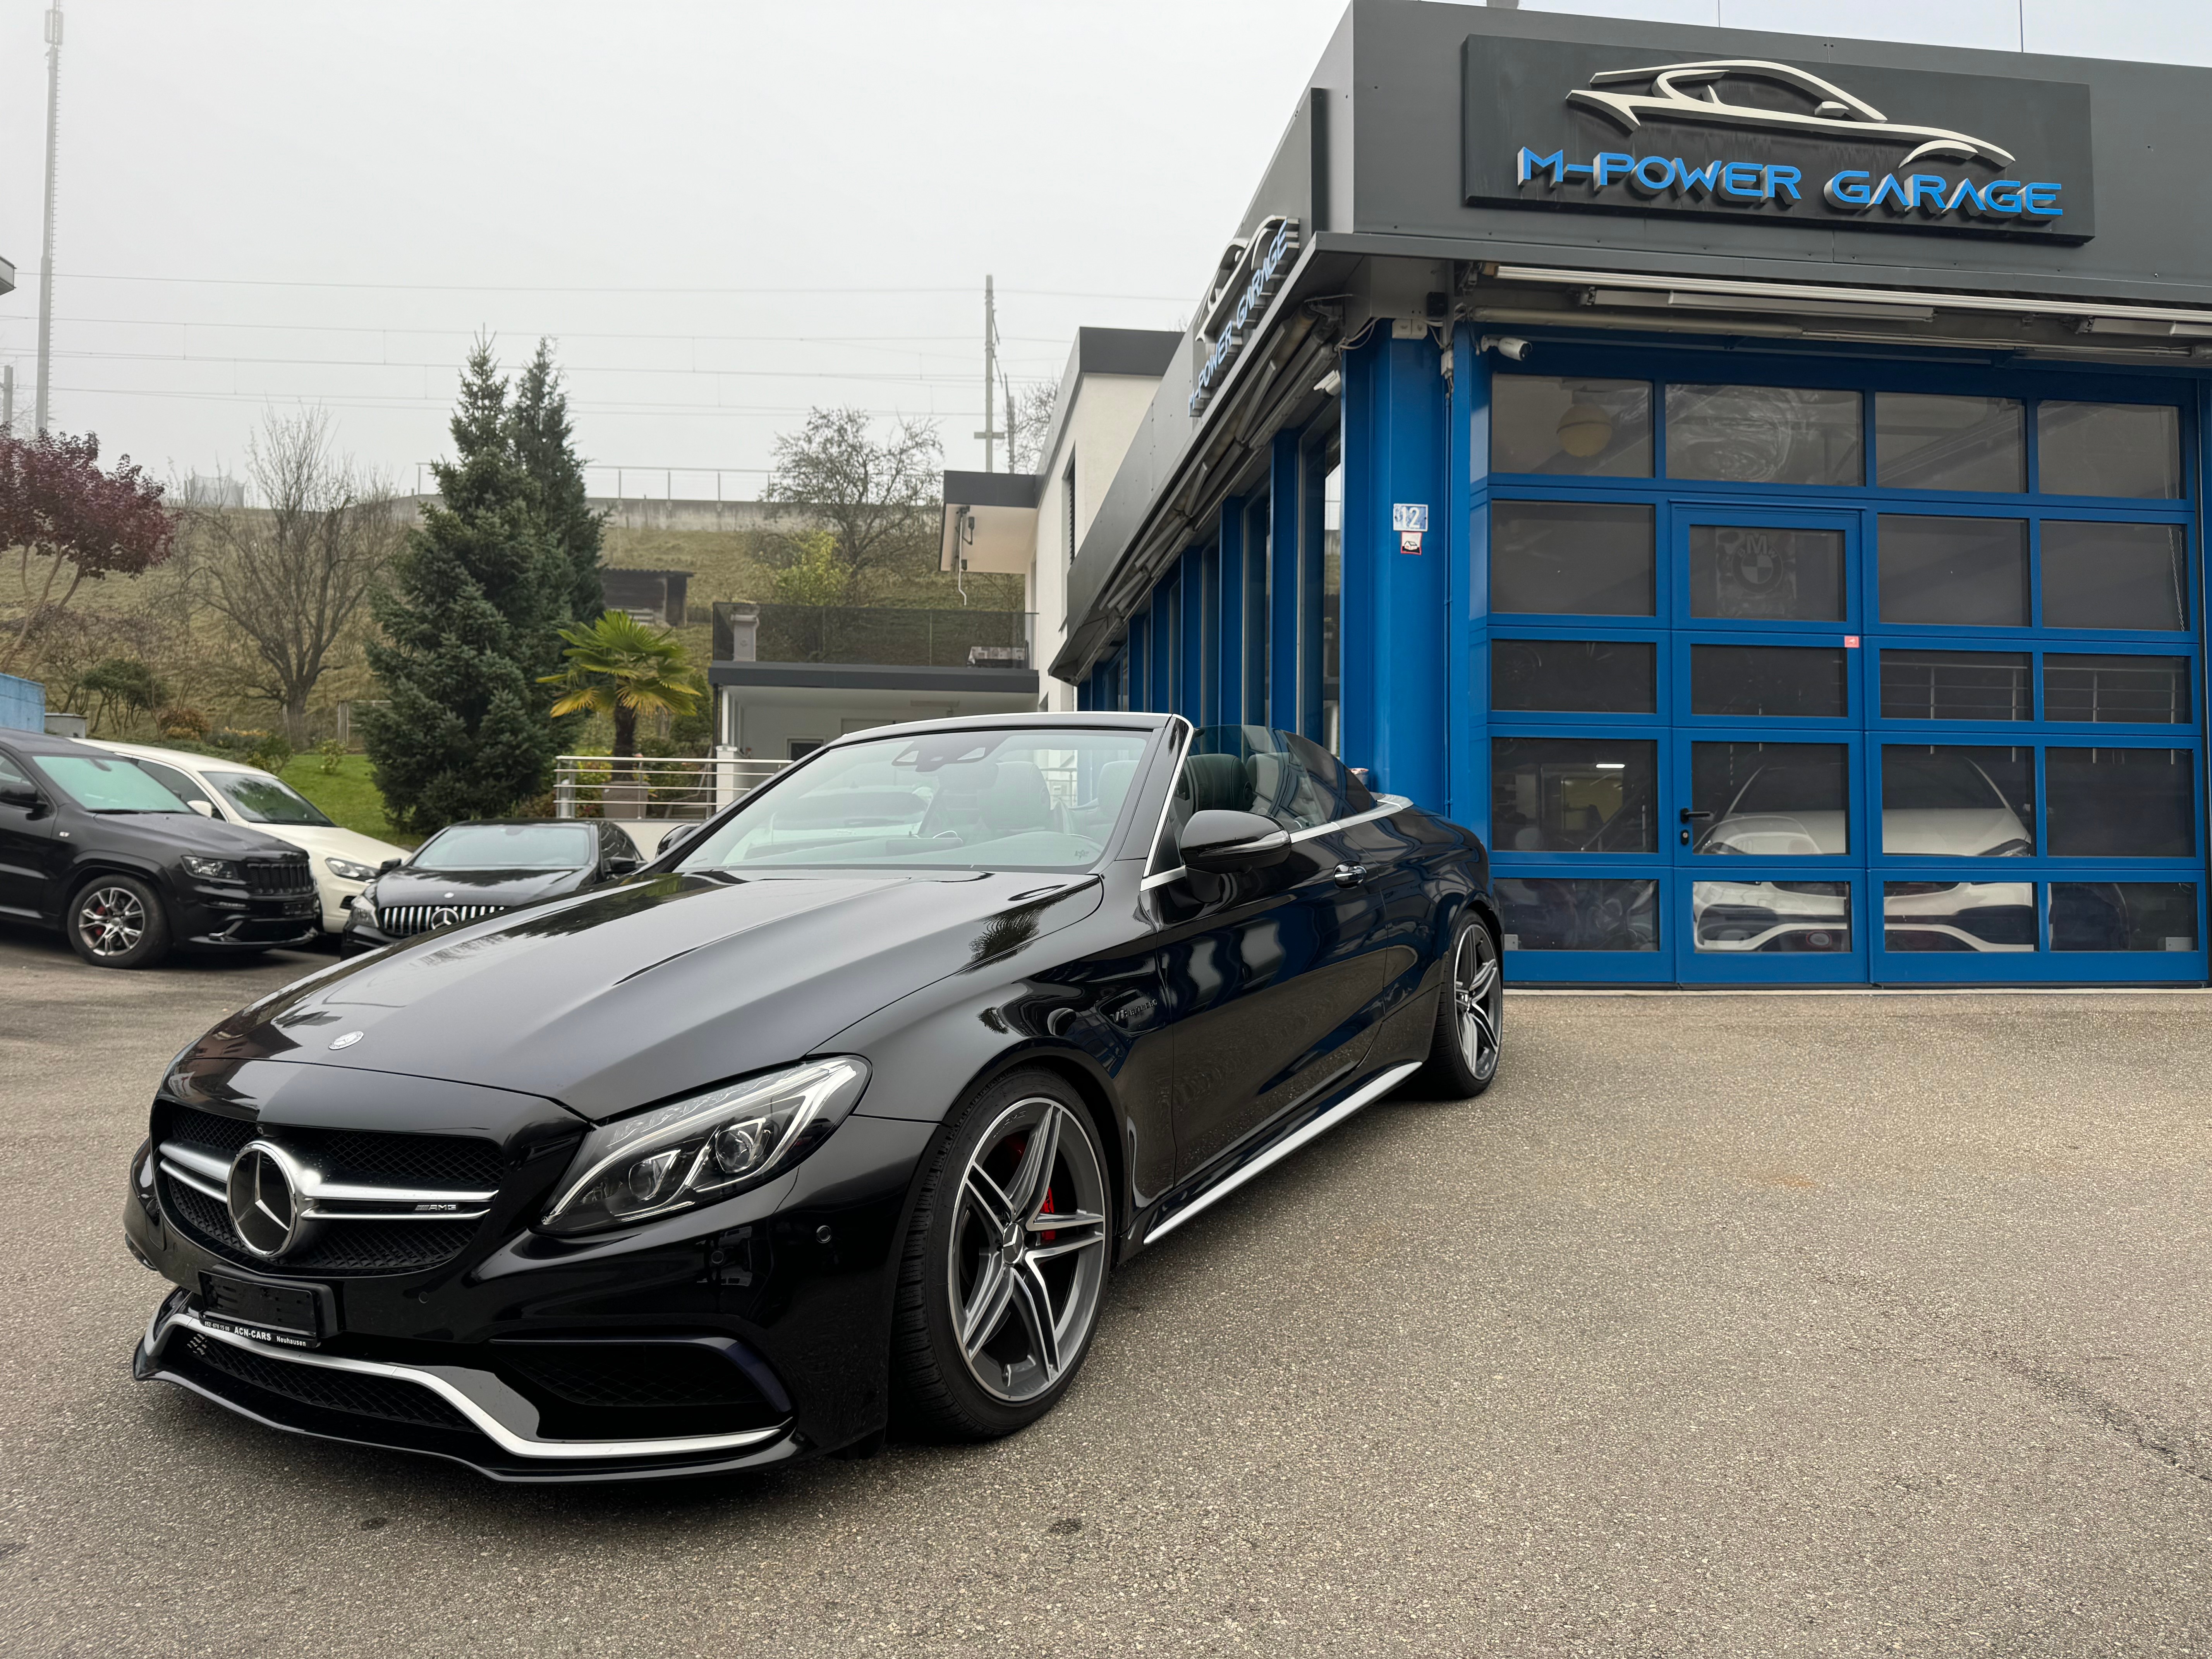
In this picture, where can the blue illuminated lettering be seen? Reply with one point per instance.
(1967, 192)
(2001, 195)
(1608, 163)
(1927, 191)
(2041, 201)
(1696, 181)
(1529, 163)
(1892, 191)
(1653, 174)
(1740, 179)
(1782, 180)
(1851, 192)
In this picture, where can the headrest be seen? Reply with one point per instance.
(1114, 781)
(1217, 781)
(1018, 799)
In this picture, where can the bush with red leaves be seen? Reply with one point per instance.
(56, 504)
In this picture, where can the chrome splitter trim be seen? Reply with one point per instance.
(503, 1416)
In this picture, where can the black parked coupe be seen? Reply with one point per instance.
(485, 868)
(91, 845)
(844, 1107)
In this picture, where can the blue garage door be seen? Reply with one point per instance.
(1804, 683)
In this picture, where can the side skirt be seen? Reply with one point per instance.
(1275, 1151)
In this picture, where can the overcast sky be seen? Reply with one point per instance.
(723, 213)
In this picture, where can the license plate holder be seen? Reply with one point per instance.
(287, 1315)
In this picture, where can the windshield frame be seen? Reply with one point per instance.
(214, 779)
(684, 858)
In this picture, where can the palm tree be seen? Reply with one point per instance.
(618, 665)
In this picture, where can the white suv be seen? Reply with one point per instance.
(231, 792)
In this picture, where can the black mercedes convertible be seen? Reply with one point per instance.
(835, 1115)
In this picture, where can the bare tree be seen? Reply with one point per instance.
(291, 575)
(879, 501)
(1029, 418)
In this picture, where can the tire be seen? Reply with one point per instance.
(1468, 1042)
(117, 921)
(995, 1312)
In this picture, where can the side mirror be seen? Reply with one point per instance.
(676, 837)
(205, 809)
(1225, 843)
(623, 864)
(18, 795)
(389, 865)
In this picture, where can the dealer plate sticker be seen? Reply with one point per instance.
(1409, 515)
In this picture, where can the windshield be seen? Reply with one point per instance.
(265, 800)
(506, 846)
(107, 785)
(1006, 799)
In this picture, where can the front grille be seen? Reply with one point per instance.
(389, 1247)
(321, 1386)
(465, 1161)
(403, 920)
(279, 877)
(455, 1162)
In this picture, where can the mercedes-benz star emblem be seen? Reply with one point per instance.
(345, 1041)
(264, 1193)
(443, 916)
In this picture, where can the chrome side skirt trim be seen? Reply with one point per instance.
(1282, 1148)
(460, 1388)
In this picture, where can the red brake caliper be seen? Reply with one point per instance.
(1046, 1208)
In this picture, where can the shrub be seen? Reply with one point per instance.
(182, 723)
(333, 753)
(272, 754)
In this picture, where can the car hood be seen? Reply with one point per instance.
(328, 841)
(506, 887)
(167, 834)
(647, 989)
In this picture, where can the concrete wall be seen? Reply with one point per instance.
(1102, 418)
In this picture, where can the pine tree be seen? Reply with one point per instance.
(543, 443)
(471, 625)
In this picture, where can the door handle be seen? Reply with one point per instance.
(1351, 875)
(1690, 815)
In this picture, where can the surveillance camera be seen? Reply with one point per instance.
(1506, 345)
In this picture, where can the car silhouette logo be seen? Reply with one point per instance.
(347, 1040)
(1835, 112)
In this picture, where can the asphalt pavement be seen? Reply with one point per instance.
(1723, 1324)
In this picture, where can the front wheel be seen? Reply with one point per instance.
(1004, 1267)
(117, 921)
(1464, 1051)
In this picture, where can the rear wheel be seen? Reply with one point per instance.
(117, 921)
(1467, 1043)
(1000, 1290)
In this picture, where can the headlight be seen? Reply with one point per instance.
(210, 869)
(347, 870)
(364, 907)
(696, 1151)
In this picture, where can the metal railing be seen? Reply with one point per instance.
(882, 636)
(638, 787)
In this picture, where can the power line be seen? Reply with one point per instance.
(567, 368)
(550, 333)
(371, 400)
(530, 287)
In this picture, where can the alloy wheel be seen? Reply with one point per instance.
(1478, 992)
(111, 920)
(1028, 1259)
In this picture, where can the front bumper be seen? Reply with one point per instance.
(241, 923)
(792, 1285)
(469, 1414)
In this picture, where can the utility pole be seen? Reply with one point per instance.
(990, 371)
(7, 399)
(46, 267)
